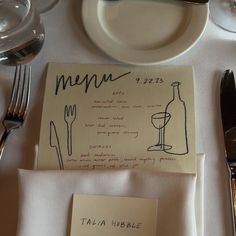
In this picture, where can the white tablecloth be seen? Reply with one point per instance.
(66, 41)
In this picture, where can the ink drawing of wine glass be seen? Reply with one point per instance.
(159, 121)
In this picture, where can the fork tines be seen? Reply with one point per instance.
(20, 92)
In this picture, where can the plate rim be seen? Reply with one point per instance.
(90, 23)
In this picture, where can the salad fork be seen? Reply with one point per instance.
(18, 105)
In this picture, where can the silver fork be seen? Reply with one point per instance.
(18, 105)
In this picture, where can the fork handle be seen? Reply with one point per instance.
(3, 141)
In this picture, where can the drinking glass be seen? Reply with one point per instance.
(223, 14)
(21, 32)
(44, 5)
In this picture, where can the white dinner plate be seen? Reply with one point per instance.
(144, 32)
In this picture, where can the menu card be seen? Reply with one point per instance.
(118, 216)
(113, 116)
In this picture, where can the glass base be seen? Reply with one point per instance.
(223, 14)
(159, 147)
(21, 32)
(44, 5)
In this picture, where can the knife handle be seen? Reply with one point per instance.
(232, 184)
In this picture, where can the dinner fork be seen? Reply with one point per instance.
(18, 105)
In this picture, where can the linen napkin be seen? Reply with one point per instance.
(46, 198)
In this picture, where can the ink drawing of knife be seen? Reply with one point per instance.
(54, 143)
(228, 114)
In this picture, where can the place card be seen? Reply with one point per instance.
(115, 117)
(117, 216)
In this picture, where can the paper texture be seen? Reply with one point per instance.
(117, 216)
(111, 116)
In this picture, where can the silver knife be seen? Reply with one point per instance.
(228, 114)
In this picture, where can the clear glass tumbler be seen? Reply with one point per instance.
(21, 32)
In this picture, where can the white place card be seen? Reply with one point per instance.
(117, 216)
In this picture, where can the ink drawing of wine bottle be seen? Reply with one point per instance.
(177, 125)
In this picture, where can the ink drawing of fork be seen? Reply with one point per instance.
(69, 117)
(54, 143)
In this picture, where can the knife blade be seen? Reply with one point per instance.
(228, 115)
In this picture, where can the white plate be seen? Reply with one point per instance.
(144, 32)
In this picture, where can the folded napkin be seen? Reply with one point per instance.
(46, 198)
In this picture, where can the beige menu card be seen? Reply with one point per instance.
(117, 216)
(113, 116)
